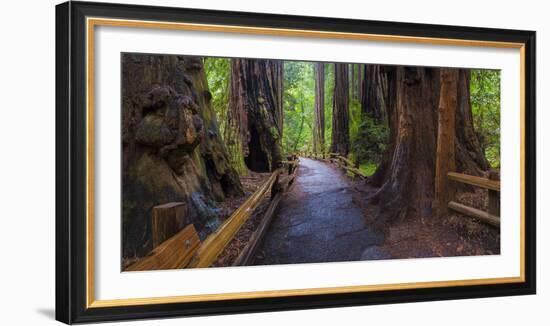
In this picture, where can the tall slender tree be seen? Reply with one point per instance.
(359, 83)
(340, 110)
(353, 80)
(256, 110)
(319, 111)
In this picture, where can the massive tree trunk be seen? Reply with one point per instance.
(409, 188)
(340, 110)
(407, 176)
(171, 147)
(470, 157)
(256, 109)
(319, 110)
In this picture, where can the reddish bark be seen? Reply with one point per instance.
(256, 110)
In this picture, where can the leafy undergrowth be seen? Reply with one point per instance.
(368, 168)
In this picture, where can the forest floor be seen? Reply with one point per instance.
(418, 237)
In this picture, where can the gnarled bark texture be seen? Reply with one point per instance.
(256, 110)
(409, 189)
(171, 147)
(340, 110)
(319, 110)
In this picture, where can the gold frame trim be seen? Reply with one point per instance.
(92, 22)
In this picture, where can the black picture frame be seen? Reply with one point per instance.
(71, 157)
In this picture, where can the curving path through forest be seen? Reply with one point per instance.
(318, 222)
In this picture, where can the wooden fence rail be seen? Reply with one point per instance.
(339, 160)
(475, 181)
(492, 184)
(216, 242)
(247, 254)
(185, 250)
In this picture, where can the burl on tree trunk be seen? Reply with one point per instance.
(256, 110)
(171, 147)
(340, 110)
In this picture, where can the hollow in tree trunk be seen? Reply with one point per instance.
(256, 109)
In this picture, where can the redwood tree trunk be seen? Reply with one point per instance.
(319, 109)
(353, 81)
(407, 178)
(256, 109)
(171, 147)
(340, 110)
(359, 82)
(409, 188)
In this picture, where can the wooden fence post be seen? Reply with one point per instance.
(494, 196)
(168, 219)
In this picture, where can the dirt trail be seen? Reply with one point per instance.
(317, 221)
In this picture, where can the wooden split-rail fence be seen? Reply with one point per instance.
(492, 184)
(175, 249)
(337, 159)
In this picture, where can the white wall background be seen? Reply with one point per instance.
(27, 163)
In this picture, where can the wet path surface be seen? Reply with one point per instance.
(317, 221)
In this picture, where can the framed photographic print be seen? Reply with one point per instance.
(215, 162)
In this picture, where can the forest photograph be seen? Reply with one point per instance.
(244, 162)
